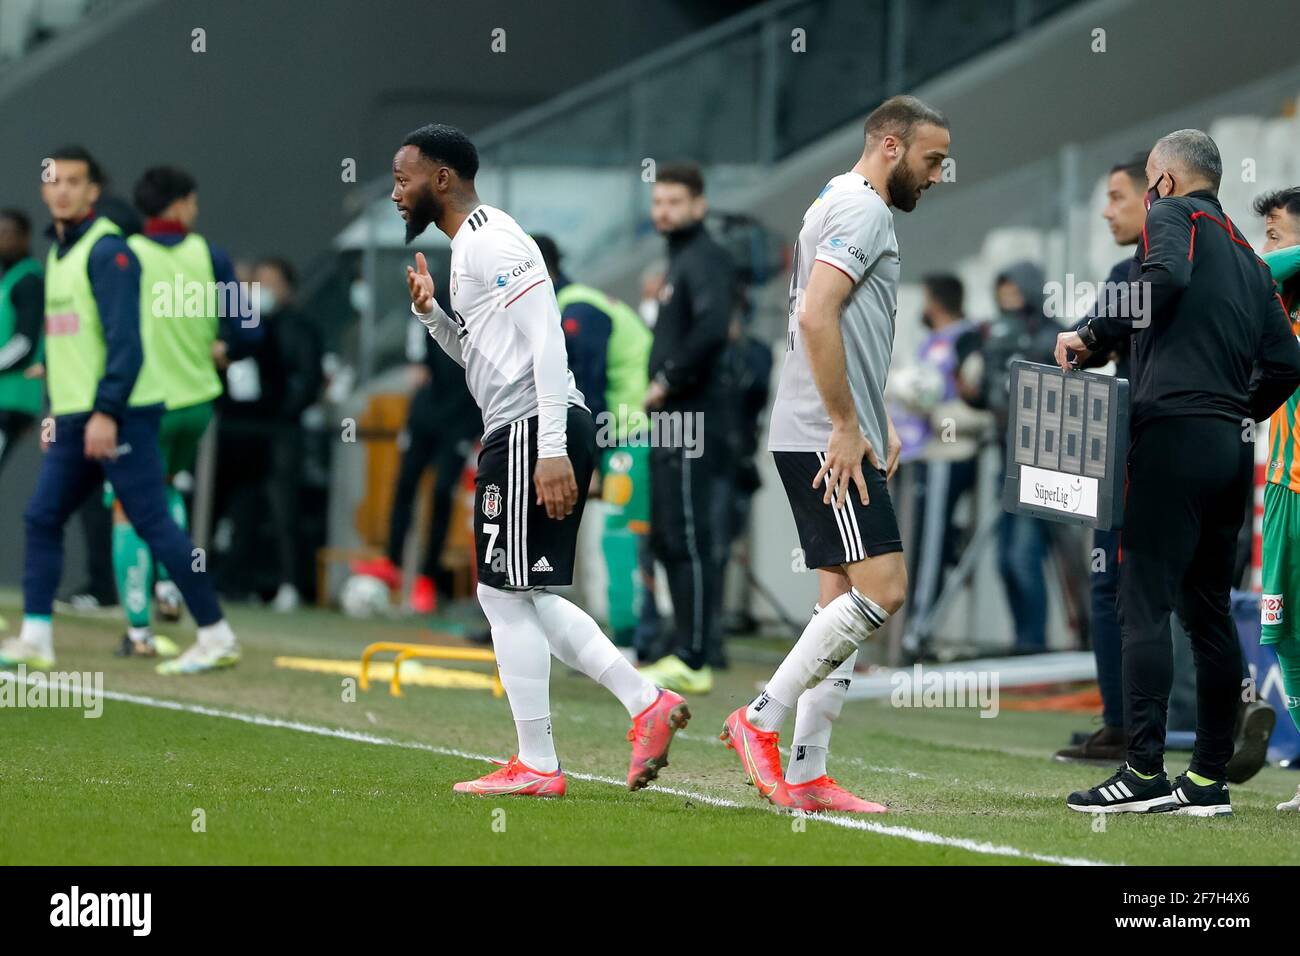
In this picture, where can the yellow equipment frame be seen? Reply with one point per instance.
(406, 652)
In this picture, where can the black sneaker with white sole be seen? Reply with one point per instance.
(1197, 801)
(1125, 792)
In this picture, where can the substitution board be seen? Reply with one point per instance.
(1067, 443)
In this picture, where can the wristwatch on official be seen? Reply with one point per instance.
(1089, 336)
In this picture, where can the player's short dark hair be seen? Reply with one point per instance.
(280, 265)
(93, 169)
(900, 116)
(1135, 168)
(440, 143)
(160, 186)
(683, 174)
(1287, 200)
(946, 289)
(550, 252)
(19, 219)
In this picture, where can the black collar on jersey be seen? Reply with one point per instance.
(680, 237)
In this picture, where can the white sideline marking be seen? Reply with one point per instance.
(848, 823)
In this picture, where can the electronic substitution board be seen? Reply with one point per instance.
(1067, 444)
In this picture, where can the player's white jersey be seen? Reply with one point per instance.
(849, 227)
(493, 264)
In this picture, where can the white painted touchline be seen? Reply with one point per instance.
(848, 823)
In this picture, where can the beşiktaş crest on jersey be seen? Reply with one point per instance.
(492, 501)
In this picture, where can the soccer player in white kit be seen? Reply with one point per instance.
(835, 447)
(539, 449)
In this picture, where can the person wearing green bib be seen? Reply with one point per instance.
(106, 400)
(609, 353)
(22, 310)
(186, 328)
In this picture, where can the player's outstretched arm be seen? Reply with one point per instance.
(819, 326)
(444, 330)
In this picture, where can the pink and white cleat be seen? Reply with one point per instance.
(760, 756)
(822, 794)
(515, 779)
(651, 733)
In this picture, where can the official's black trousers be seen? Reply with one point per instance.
(1187, 478)
(681, 535)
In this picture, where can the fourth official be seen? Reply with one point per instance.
(1212, 354)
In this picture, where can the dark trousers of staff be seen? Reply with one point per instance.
(1187, 479)
(681, 534)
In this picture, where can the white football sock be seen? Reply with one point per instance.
(38, 632)
(524, 662)
(816, 712)
(579, 642)
(774, 712)
(536, 745)
(217, 635)
(140, 635)
(766, 712)
(826, 643)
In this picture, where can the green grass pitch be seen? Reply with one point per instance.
(265, 765)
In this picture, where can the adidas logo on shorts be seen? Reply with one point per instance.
(541, 564)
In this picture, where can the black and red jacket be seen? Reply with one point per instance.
(1212, 317)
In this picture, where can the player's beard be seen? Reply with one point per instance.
(424, 210)
(903, 186)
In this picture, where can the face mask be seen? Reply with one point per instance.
(649, 309)
(266, 300)
(1154, 192)
(359, 297)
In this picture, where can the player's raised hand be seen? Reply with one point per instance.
(420, 284)
(557, 488)
(844, 454)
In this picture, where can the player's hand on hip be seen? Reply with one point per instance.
(844, 454)
(101, 437)
(420, 284)
(892, 452)
(556, 486)
(1068, 342)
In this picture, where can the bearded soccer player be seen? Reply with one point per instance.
(1281, 553)
(535, 468)
(835, 448)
